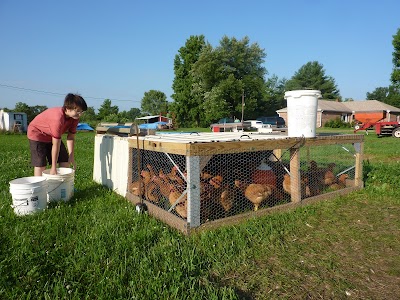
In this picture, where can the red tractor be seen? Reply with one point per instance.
(382, 128)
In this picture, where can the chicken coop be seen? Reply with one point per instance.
(193, 181)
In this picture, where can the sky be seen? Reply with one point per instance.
(120, 49)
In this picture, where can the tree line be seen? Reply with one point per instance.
(229, 80)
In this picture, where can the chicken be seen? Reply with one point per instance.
(329, 176)
(175, 177)
(137, 188)
(341, 182)
(315, 179)
(287, 183)
(305, 189)
(216, 181)
(164, 184)
(177, 198)
(258, 193)
(151, 192)
(227, 199)
(146, 175)
(217, 198)
(149, 186)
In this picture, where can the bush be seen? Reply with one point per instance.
(337, 123)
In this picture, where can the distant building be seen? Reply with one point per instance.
(330, 110)
(154, 119)
(13, 121)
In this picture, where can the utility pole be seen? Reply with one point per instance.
(242, 106)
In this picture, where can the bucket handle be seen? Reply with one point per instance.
(33, 189)
(61, 182)
(21, 204)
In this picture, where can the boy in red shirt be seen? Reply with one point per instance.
(45, 132)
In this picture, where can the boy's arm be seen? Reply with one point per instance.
(71, 148)
(55, 151)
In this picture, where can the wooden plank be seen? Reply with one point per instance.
(160, 146)
(252, 215)
(358, 177)
(198, 146)
(161, 214)
(295, 180)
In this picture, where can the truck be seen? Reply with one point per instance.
(374, 120)
(228, 124)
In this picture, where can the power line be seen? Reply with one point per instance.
(60, 94)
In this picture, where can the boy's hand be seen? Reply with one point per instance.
(53, 170)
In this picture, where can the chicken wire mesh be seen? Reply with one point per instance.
(323, 169)
(228, 184)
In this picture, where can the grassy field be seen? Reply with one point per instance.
(97, 247)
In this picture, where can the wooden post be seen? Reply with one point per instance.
(193, 188)
(358, 176)
(295, 180)
(277, 154)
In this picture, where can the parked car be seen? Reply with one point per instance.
(254, 123)
(274, 121)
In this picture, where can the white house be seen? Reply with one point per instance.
(13, 121)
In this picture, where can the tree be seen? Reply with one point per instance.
(380, 94)
(130, 115)
(31, 111)
(395, 76)
(222, 76)
(106, 109)
(154, 102)
(391, 95)
(186, 106)
(275, 95)
(312, 76)
(89, 115)
(394, 88)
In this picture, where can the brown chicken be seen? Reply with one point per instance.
(135, 188)
(164, 184)
(315, 179)
(217, 198)
(227, 199)
(175, 177)
(329, 176)
(151, 192)
(305, 189)
(257, 193)
(180, 207)
(341, 182)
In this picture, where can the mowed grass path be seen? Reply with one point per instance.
(97, 247)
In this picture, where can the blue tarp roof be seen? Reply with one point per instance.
(151, 125)
(84, 126)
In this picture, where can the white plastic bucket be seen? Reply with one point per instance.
(302, 108)
(29, 194)
(60, 187)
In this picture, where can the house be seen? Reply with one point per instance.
(13, 121)
(330, 110)
(155, 122)
(153, 119)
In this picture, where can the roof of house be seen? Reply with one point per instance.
(353, 106)
(148, 117)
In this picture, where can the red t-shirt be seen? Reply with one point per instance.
(51, 123)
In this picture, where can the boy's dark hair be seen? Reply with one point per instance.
(73, 101)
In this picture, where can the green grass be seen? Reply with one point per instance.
(97, 247)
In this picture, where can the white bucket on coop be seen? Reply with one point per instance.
(61, 185)
(302, 112)
(29, 194)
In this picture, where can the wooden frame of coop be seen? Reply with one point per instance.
(120, 162)
(197, 153)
